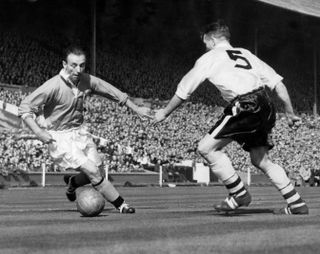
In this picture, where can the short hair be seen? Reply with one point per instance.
(218, 29)
(73, 49)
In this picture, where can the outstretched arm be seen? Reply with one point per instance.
(282, 93)
(142, 112)
(186, 87)
(105, 89)
(162, 114)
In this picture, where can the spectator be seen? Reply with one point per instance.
(305, 174)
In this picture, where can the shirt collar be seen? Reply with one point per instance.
(223, 44)
(66, 76)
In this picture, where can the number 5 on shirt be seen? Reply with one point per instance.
(236, 55)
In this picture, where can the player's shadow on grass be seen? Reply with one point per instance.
(244, 211)
(105, 211)
(97, 216)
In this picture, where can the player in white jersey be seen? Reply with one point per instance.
(70, 145)
(241, 78)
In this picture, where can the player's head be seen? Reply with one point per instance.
(214, 33)
(74, 62)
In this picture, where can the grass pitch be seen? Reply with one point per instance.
(167, 220)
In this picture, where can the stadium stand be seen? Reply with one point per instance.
(128, 145)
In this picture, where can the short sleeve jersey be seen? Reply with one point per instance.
(234, 71)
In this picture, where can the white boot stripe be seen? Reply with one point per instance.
(297, 205)
(231, 203)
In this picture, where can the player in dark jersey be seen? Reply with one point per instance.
(69, 143)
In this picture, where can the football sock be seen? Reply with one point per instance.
(280, 179)
(107, 190)
(235, 186)
(79, 180)
(223, 169)
(118, 202)
(222, 166)
(277, 175)
(291, 196)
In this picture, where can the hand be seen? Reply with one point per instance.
(159, 116)
(45, 137)
(293, 121)
(144, 113)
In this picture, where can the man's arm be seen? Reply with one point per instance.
(142, 112)
(282, 93)
(29, 107)
(42, 134)
(162, 114)
(174, 103)
(186, 87)
(105, 89)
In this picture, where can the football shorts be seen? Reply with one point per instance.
(248, 120)
(73, 148)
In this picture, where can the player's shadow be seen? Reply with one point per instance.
(96, 216)
(105, 213)
(244, 211)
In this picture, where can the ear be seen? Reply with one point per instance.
(213, 39)
(64, 64)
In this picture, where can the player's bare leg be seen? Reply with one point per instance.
(210, 149)
(277, 175)
(105, 187)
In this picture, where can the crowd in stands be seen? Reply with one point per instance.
(127, 144)
(28, 62)
(23, 61)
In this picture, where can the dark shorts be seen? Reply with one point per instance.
(248, 120)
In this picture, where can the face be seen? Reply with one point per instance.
(208, 41)
(74, 66)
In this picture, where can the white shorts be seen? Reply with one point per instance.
(73, 148)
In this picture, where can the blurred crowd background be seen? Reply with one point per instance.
(147, 63)
(128, 144)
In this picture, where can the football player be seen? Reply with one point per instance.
(70, 145)
(242, 79)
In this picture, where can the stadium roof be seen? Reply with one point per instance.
(308, 7)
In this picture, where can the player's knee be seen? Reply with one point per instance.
(93, 172)
(96, 178)
(209, 152)
(259, 158)
(203, 150)
(97, 182)
(255, 161)
(207, 146)
(261, 163)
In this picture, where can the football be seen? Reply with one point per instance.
(90, 202)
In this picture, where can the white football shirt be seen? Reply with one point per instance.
(234, 71)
